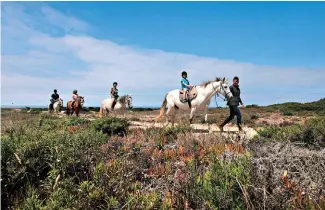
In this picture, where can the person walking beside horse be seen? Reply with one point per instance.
(233, 104)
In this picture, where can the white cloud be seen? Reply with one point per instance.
(69, 24)
(90, 65)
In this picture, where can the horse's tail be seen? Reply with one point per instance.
(100, 114)
(162, 109)
(67, 110)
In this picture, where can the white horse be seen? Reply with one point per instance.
(120, 106)
(205, 92)
(56, 106)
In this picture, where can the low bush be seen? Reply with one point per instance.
(34, 155)
(223, 186)
(310, 134)
(76, 121)
(111, 126)
(255, 116)
(287, 113)
(44, 166)
(252, 106)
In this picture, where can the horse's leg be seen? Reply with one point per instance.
(170, 112)
(73, 110)
(192, 114)
(206, 113)
(173, 117)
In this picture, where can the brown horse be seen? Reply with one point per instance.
(77, 106)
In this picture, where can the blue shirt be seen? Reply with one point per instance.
(183, 82)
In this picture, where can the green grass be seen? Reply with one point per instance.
(312, 134)
(44, 166)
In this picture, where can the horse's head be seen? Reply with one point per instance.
(224, 88)
(61, 102)
(82, 100)
(128, 101)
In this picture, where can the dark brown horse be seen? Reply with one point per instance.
(77, 106)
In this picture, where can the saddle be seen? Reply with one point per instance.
(192, 94)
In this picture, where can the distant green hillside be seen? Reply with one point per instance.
(296, 107)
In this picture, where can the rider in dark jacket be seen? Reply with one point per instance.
(55, 96)
(114, 94)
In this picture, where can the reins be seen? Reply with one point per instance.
(217, 94)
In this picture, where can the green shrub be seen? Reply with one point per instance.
(310, 134)
(298, 107)
(254, 116)
(76, 121)
(223, 186)
(110, 125)
(24, 110)
(280, 133)
(176, 129)
(95, 109)
(287, 113)
(32, 150)
(252, 106)
(143, 109)
(321, 113)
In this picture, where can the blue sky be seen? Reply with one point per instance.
(276, 48)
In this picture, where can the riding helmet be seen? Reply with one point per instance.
(75, 92)
(115, 83)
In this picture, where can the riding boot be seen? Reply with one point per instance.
(239, 127)
(72, 106)
(186, 96)
(113, 104)
(220, 126)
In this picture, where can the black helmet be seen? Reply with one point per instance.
(75, 91)
(55, 91)
(184, 73)
(114, 83)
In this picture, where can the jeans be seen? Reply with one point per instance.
(234, 111)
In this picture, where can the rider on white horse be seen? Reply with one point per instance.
(185, 84)
(54, 97)
(114, 94)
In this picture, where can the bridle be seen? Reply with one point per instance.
(128, 100)
(217, 95)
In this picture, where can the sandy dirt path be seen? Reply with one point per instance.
(247, 133)
(203, 129)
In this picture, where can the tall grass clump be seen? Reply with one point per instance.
(224, 185)
(311, 134)
(37, 156)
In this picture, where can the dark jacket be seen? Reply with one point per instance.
(55, 96)
(114, 92)
(235, 100)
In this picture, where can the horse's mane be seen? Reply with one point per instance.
(121, 99)
(205, 83)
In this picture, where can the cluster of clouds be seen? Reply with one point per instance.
(43, 49)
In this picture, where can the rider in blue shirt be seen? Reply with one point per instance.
(185, 83)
